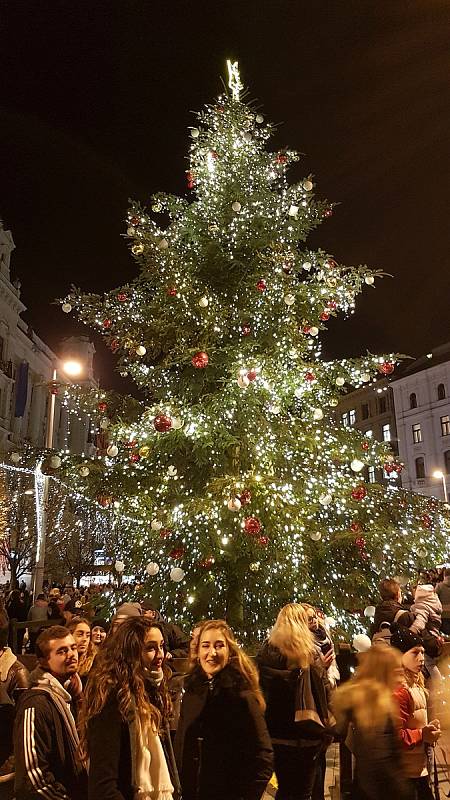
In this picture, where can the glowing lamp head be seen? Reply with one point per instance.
(438, 474)
(72, 368)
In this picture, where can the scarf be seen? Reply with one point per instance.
(61, 699)
(150, 776)
(7, 659)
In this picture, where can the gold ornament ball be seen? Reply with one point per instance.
(84, 472)
(137, 249)
(340, 380)
(308, 185)
(66, 307)
(203, 302)
(141, 350)
(163, 244)
(112, 451)
(236, 206)
(144, 451)
(369, 279)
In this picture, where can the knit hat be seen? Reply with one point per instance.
(423, 590)
(148, 605)
(404, 639)
(97, 622)
(129, 610)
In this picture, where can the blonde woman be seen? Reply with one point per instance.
(367, 705)
(222, 745)
(118, 723)
(297, 693)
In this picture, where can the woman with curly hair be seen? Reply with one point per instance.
(222, 745)
(80, 629)
(297, 693)
(366, 705)
(119, 725)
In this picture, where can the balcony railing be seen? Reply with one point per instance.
(7, 368)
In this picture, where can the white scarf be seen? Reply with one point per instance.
(7, 659)
(151, 777)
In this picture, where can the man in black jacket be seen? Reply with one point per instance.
(390, 609)
(45, 735)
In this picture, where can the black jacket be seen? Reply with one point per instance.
(222, 745)
(45, 765)
(386, 612)
(279, 684)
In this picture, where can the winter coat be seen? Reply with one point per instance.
(38, 610)
(45, 743)
(109, 748)
(279, 684)
(222, 745)
(427, 610)
(412, 703)
(443, 592)
(14, 679)
(386, 611)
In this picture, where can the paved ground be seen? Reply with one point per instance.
(331, 777)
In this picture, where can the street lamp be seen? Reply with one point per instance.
(439, 475)
(72, 369)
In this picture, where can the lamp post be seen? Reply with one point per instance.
(72, 369)
(439, 475)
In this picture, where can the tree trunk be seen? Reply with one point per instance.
(235, 593)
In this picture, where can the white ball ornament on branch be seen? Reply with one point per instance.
(163, 244)
(16, 458)
(315, 536)
(259, 119)
(119, 566)
(325, 499)
(307, 265)
(141, 350)
(317, 414)
(340, 380)
(55, 462)
(66, 307)
(176, 574)
(156, 525)
(289, 299)
(236, 206)
(357, 465)
(84, 471)
(369, 612)
(172, 471)
(369, 280)
(293, 211)
(247, 136)
(365, 376)
(104, 423)
(243, 381)
(203, 302)
(177, 423)
(308, 185)
(195, 133)
(152, 568)
(313, 331)
(234, 504)
(112, 451)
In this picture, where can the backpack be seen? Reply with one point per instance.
(384, 633)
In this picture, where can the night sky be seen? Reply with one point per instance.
(95, 102)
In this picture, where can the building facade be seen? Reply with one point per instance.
(422, 405)
(27, 366)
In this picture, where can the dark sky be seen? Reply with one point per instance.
(95, 100)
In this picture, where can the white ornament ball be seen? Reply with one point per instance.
(66, 307)
(365, 377)
(317, 414)
(112, 451)
(325, 499)
(104, 423)
(315, 536)
(308, 185)
(369, 611)
(172, 471)
(131, 230)
(177, 423)
(55, 462)
(247, 136)
(275, 409)
(119, 566)
(243, 381)
(234, 504)
(236, 206)
(334, 402)
(15, 458)
(369, 279)
(203, 302)
(176, 574)
(361, 643)
(195, 133)
(289, 299)
(259, 119)
(84, 472)
(340, 380)
(307, 265)
(299, 392)
(357, 465)
(313, 331)
(163, 244)
(141, 350)
(293, 211)
(152, 568)
(156, 525)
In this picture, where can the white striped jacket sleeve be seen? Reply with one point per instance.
(33, 748)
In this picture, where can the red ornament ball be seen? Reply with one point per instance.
(102, 407)
(309, 376)
(114, 345)
(325, 316)
(165, 533)
(332, 305)
(263, 541)
(252, 526)
(386, 368)
(252, 375)
(246, 329)
(190, 179)
(331, 263)
(177, 552)
(162, 423)
(122, 297)
(360, 542)
(261, 285)
(359, 492)
(171, 291)
(107, 323)
(365, 445)
(306, 329)
(426, 521)
(328, 212)
(389, 467)
(214, 154)
(207, 563)
(132, 443)
(135, 457)
(104, 500)
(281, 158)
(135, 221)
(245, 497)
(200, 360)
(355, 527)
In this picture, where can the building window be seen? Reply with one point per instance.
(371, 474)
(420, 467)
(345, 420)
(441, 392)
(445, 425)
(352, 416)
(413, 400)
(382, 405)
(365, 411)
(447, 462)
(386, 433)
(417, 433)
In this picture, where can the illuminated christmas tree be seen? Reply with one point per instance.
(246, 490)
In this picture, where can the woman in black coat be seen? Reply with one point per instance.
(297, 693)
(222, 746)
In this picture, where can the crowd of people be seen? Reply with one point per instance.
(136, 709)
